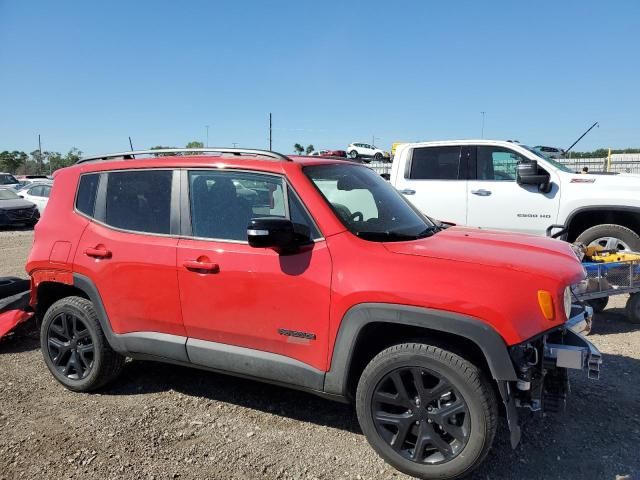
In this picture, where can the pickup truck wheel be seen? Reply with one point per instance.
(611, 237)
(426, 411)
(74, 346)
(598, 304)
(353, 154)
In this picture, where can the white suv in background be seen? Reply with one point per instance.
(366, 152)
(508, 186)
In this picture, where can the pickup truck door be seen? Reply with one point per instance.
(497, 201)
(434, 179)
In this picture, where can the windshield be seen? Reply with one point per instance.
(6, 194)
(7, 179)
(550, 160)
(367, 205)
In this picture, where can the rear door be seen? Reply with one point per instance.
(435, 181)
(129, 248)
(497, 201)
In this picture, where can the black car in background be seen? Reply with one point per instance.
(15, 210)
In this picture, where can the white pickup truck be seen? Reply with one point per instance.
(508, 186)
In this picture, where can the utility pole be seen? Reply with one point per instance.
(235, 144)
(482, 131)
(270, 134)
(207, 143)
(40, 150)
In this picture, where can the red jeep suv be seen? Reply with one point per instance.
(309, 273)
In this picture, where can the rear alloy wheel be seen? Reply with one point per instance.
(378, 157)
(426, 411)
(353, 154)
(74, 346)
(611, 237)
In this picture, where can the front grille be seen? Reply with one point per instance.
(19, 214)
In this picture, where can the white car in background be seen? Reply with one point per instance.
(8, 181)
(38, 193)
(366, 152)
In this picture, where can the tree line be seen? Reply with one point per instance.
(45, 163)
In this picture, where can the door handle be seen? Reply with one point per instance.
(408, 191)
(208, 267)
(97, 252)
(481, 192)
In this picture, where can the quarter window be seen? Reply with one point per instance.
(86, 197)
(496, 163)
(139, 200)
(435, 163)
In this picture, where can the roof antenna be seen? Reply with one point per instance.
(581, 136)
(130, 157)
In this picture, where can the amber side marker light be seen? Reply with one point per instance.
(545, 300)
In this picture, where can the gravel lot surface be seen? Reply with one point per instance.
(162, 421)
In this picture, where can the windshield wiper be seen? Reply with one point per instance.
(396, 236)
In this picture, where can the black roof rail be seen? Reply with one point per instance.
(229, 151)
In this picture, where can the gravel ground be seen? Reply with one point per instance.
(163, 421)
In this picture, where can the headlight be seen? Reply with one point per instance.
(568, 301)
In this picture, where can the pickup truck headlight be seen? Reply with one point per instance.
(568, 300)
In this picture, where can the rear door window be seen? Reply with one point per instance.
(139, 201)
(435, 163)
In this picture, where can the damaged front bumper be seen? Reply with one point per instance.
(542, 363)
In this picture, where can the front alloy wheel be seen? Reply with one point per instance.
(421, 415)
(426, 411)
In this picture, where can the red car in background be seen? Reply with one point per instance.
(329, 154)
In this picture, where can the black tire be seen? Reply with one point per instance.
(378, 157)
(89, 361)
(598, 304)
(467, 390)
(353, 154)
(633, 308)
(625, 236)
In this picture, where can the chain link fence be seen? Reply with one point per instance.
(619, 162)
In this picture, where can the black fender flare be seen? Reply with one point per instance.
(600, 208)
(482, 334)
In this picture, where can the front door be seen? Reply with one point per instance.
(434, 180)
(497, 201)
(253, 298)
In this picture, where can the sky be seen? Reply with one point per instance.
(91, 74)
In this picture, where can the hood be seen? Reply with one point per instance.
(13, 204)
(527, 253)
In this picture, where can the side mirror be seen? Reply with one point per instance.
(529, 174)
(276, 233)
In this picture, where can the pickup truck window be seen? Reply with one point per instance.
(368, 205)
(497, 163)
(435, 163)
